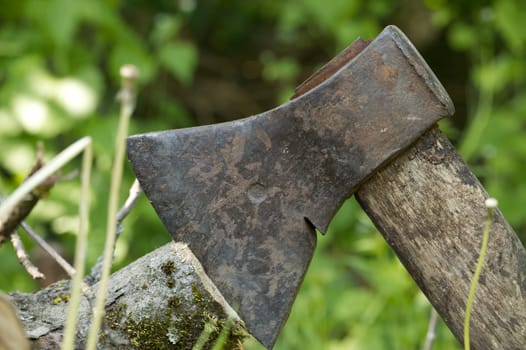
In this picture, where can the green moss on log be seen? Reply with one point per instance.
(175, 327)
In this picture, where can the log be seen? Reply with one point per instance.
(430, 209)
(163, 300)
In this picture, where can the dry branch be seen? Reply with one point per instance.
(23, 257)
(26, 205)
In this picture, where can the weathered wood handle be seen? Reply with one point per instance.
(430, 209)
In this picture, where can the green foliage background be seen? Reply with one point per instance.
(210, 61)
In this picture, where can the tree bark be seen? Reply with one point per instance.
(163, 300)
(430, 209)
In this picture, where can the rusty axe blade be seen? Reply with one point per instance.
(247, 195)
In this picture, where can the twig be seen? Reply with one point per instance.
(127, 97)
(66, 266)
(22, 209)
(133, 196)
(134, 193)
(38, 178)
(22, 256)
(48, 249)
(431, 335)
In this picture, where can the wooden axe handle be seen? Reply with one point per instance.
(430, 209)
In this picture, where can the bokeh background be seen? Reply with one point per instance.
(209, 61)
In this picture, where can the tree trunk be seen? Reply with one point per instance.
(163, 300)
(430, 209)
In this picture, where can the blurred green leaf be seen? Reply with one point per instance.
(496, 74)
(165, 28)
(10, 126)
(57, 18)
(284, 69)
(462, 36)
(180, 59)
(509, 17)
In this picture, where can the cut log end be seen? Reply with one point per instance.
(161, 301)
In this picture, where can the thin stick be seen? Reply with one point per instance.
(22, 256)
(49, 249)
(491, 204)
(133, 196)
(127, 105)
(431, 335)
(134, 193)
(80, 251)
(41, 175)
(70, 270)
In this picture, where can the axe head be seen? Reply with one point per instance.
(247, 195)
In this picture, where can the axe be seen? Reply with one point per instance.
(247, 196)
